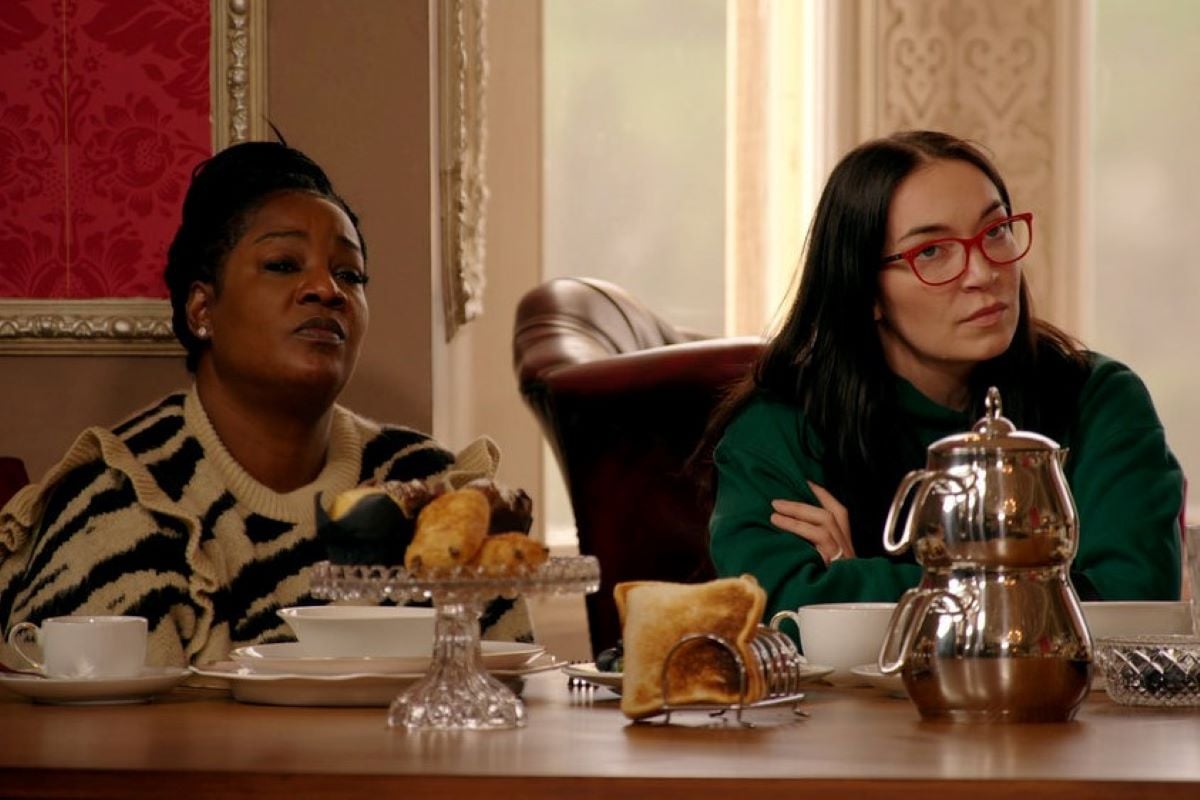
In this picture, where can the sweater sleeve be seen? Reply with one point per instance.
(1128, 489)
(760, 459)
(97, 550)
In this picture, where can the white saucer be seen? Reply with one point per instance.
(96, 691)
(870, 674)
(291, 658)
(812, 672)
(349, 689)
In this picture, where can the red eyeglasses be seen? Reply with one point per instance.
(940, 261)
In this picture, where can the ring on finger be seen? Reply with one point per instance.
(837, 556)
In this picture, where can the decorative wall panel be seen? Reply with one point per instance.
(462, 171)
(105, 108)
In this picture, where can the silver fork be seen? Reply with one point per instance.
(580, 691)
(576, 683)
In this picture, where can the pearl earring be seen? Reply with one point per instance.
(202, 332)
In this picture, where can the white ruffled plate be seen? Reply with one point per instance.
(95, 691)
(348, 689)
(291, 658)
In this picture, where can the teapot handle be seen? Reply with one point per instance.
(911, 481)
(910, 612)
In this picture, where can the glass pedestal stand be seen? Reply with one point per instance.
(456, 692)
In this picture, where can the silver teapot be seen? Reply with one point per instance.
(994, 630)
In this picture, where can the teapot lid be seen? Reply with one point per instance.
(994, 431)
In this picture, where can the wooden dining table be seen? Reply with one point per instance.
(852, 742)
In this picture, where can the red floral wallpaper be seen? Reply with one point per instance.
(104, 111)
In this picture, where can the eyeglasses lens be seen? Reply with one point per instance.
(1005, 242)
(943, 261)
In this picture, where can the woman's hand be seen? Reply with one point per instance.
(826, 527)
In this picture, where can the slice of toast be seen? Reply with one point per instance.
(656, 615)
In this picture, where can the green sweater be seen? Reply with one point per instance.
(1128, 489)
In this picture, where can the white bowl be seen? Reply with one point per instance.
(1121, 619)
(362, 631)
(843, 635)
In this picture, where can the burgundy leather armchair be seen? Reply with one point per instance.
(12, 477)
(623, 398)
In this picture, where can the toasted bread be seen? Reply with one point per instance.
(656, 615)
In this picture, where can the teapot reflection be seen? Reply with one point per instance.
(994, 631)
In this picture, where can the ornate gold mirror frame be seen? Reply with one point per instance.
(237, 72)
(462, 139)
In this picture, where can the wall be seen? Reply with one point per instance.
(363, 113)
(45, 401)
(351, 89)
(477, 391)
(83, 174)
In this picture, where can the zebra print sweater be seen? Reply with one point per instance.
(155, 518)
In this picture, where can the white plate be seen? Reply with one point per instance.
(96, 691)
(291, 658)
(870, 674)
(614, 680)
(353, 689)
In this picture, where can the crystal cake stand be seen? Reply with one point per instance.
(456, 693)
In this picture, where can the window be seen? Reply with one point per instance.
(634, 127)
(675, 164)
(1145, 283)
(634, 169)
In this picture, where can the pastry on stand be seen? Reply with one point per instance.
(462, 548)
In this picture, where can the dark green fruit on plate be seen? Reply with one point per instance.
(364, 526)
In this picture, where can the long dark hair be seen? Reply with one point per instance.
(225, 191)
(827, 358)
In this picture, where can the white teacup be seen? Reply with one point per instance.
(84, 646)
(840, 635)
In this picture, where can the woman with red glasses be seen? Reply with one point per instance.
(912, 302)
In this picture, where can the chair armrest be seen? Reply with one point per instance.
(703, 363)
(12, 477)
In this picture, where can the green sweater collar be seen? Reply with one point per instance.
(930, 420)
